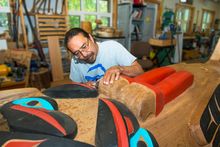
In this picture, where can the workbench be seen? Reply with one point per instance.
(162, 45)
(11, 85)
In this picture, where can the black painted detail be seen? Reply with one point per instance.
(38, 120)
(210, 118)
(40, 139)
(71, 91)
(125, 112)
(216, 141)
(106, 135)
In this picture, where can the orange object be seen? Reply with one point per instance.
(154, 76)
(165, 82)
(175, 84)
(4, 70)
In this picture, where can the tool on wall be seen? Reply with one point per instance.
(62, 7)
(44, 9)
(36, 41)
(56, 4)
(48, 10)
(35, 3)
(15, 9)
(40, 5)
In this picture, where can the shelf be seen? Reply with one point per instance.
(138, 5)
(162, 43)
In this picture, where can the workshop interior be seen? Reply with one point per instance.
(174, 103)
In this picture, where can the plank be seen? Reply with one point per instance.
(55, 58)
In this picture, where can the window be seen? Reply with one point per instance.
(90, 10)
(207, 19)
(184, 17)
(4, 9)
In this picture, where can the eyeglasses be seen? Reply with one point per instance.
(83, 48)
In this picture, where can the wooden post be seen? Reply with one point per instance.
(115, 14)
(23, 25)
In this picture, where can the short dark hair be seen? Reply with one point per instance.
(73, 32)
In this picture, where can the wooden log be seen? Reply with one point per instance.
(171, 126)
(176, 115)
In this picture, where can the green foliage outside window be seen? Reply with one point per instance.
(90, 6)
(74, 21)
(104, 6)
(105, 21)
(3, 20)
(3, 16)
(183, 16)
(74, 5)
(3, 3)
(206, 20)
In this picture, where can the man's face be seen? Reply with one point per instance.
(83, 49)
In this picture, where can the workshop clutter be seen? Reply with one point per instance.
(148, 93)
(15, 65)
(40, 79)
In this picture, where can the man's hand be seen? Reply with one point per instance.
(112, 74)
(91, 84)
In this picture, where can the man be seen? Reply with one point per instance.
(92, 60)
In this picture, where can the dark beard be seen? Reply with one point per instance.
(90, 59)
(87, 59)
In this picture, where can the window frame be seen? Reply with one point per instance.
(192, 11)
(5, 9)
(82, 13)
(212, 18)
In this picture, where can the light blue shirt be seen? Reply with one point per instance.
(110, 53)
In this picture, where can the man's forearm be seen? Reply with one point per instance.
(132, 70)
